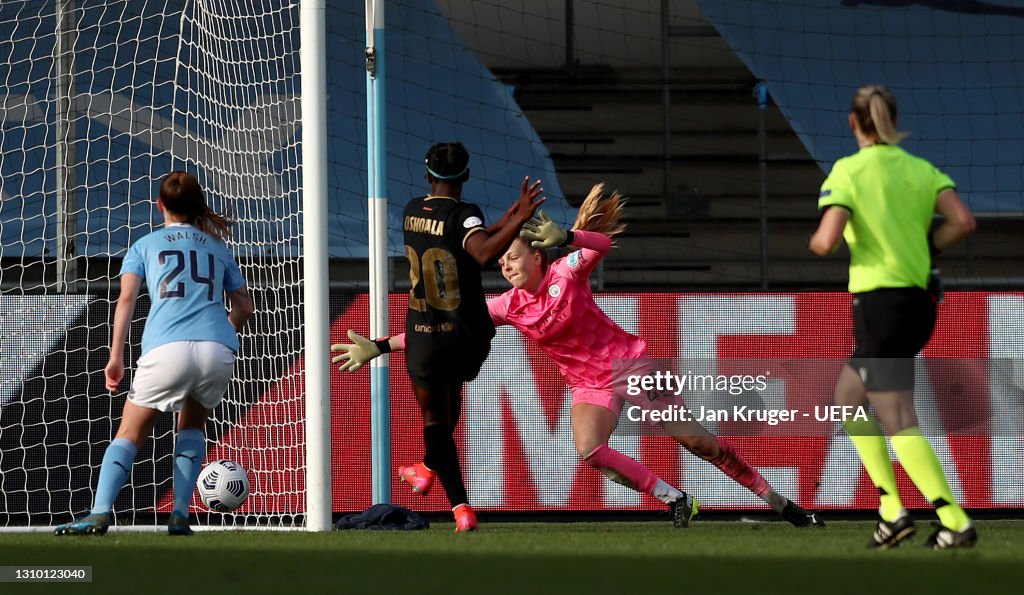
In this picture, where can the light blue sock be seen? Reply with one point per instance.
(117, 464)
(189, 452)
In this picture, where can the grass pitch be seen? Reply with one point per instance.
(530, 558)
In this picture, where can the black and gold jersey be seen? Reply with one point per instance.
(446, 300)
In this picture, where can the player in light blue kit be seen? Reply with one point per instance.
(188, 346)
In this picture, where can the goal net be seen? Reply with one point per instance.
(102, 98)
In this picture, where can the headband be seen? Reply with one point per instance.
(451, 177)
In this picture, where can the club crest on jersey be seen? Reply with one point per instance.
(472, 222)
(554, 291)
(574, 260)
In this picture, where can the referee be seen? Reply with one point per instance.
(881, 200)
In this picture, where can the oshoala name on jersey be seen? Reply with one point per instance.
(174, 236)
(423, 225)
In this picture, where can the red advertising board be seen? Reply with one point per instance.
(516, 443)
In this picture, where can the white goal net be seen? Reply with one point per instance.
(100, 99)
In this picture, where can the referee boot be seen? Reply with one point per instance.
(418, 476)
(889, 535)
(94, 524)
(947, 538)
(465, 518)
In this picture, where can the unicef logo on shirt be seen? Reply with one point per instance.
(554, 291)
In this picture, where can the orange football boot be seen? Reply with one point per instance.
(465, 518)
(418, 476)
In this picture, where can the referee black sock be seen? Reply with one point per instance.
(441, 455)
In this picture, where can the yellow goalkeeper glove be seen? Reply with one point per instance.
(542, 232)
(359, 352)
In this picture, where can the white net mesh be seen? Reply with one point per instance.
(100, 99)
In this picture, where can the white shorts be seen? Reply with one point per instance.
(168, 374)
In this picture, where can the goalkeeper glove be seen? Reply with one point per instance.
(542, 232)
(359, 352)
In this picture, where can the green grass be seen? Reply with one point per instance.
(529, 558)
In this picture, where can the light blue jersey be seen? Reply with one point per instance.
(187, 272)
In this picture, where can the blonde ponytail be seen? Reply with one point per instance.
(874, 107)
(601, 214)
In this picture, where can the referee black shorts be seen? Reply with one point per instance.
(891, 326)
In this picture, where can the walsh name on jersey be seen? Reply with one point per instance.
(195, 236)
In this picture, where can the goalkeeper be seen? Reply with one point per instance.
(550, 303)
(882, 199)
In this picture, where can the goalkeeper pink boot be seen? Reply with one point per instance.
(418, 476)
(465, 518)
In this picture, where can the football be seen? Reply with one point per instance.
(223, 485)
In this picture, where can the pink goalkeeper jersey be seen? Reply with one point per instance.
(562, 317)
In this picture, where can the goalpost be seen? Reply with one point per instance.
(377, 211)
(313, 25)
(102, 99)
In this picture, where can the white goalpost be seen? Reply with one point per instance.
(99, 100)
(317, 317)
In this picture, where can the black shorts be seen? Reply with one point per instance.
(437, 364)
(891, 326)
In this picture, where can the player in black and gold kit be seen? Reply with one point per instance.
(447, 311)
(448, 329)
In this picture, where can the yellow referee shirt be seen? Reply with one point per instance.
(890, 195)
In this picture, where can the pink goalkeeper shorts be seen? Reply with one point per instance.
(600, 397)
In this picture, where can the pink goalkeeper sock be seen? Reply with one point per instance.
(622, 469)
(736, 467)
